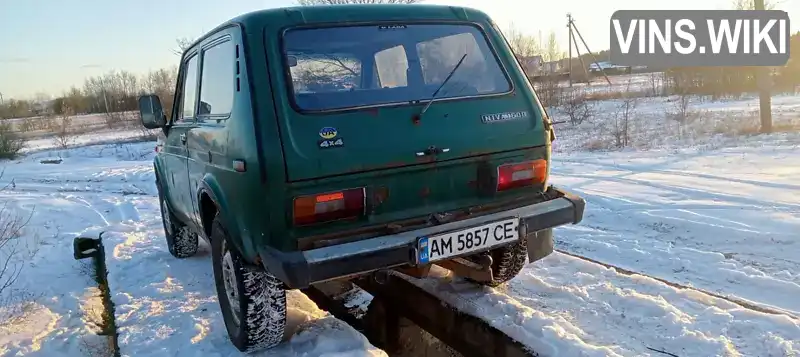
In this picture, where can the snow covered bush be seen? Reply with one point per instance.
(10, 142)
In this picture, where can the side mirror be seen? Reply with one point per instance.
(151, 112)
(291, 60)
(205, 108)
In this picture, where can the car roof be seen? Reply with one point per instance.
(319, 14)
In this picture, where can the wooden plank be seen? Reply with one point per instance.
(464, 333)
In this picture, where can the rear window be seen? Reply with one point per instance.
(357, 66)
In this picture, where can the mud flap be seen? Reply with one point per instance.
(540, 244)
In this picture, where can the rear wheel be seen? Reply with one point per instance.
(507, 262)
(181, 242)
(253, 302)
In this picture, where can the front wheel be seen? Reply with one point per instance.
(181, 242)
(253, 302)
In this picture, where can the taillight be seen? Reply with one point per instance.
(329, 206)
(521, 174)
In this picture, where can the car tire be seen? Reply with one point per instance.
(181, 242)
(255, 318)
(507, 262)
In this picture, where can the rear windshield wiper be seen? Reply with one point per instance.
(433, 97)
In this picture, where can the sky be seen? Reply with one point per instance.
(46, 46)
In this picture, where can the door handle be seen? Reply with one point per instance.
(432, 150)
(183, 138)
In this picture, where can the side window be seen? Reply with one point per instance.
(217, 80)
(391, 65)
(189, 91)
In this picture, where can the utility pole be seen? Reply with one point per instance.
(2, 101)
(569, 43)
(572, 27)
(764, 79)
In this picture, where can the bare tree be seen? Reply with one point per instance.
(656, 83)
(522, 44)
(552, 50)
(11, 256)
(751, 5)
(113, 93)
(63, 128)
(161, 83)
(525, 49)
(621, 123)
(183, 44)
(577, 106)
(337, 2)
(549, 90)
(682, 112)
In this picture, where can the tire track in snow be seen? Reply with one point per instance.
(567, 306)
(693, 192)
(736, 300)
(649, 169)
(739, 244)
(88, 205)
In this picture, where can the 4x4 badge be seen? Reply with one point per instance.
(331, 143)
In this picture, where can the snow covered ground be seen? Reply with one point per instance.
(725, 220)
(164, 306)
(100, 137)
(699, 207)
(639, 82)
(711, 124)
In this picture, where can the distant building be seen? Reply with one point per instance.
(531, 64)
(608, 67)
(551, 67)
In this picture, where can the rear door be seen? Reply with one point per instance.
(357, 117)
(325, 139)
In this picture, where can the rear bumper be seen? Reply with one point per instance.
(301, 268)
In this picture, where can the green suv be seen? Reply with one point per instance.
(309, 144)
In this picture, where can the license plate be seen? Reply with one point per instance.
(452, 244)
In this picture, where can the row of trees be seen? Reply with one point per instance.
(525, 45)
(116, 91)
(722, 82)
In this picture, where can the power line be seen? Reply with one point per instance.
(573, 30)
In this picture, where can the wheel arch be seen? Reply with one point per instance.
(212, 202)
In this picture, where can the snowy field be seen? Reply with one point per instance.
(709, 124)
(726, 221)
(691, 205)
(164, 306)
